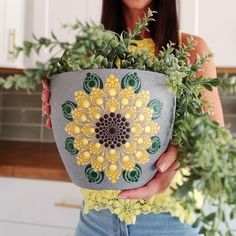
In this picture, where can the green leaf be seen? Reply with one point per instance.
(210, 217)
(53, 35)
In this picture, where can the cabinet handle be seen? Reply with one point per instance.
(67, 205)
(11, 44)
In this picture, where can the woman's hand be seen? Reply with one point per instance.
(167, 166)
(45, 97)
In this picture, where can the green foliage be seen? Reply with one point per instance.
(206, 149)
(228, 84)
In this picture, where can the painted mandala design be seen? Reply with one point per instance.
(112, 127)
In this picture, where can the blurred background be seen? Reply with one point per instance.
(36, 196)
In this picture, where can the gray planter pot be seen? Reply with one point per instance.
(111, 125)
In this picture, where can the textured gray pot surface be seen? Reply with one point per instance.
(111, 125)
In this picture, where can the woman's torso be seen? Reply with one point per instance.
(127, 209)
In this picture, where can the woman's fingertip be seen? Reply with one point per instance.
(48, 123)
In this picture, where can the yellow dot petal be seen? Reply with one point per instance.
(127, 145)
(97, 116)
(133, 129)
(141, 117)
(112, 108)
(76, 130)
(125, 158)
(91, 130)
(124, 101)
(85, 141)
(112, 92)
(83, 118)
(147, 129)
(86, 154)
(112, 151)
(97, 145)
(127, 115)
(138, 154)
(100, 159)
(112, 167)
(85, 104)
(138, 103)
(112, 76)
(99, 101)
(140, 140)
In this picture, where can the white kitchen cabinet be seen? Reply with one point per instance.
(12, 15)
(50, 15)
(19, 229)
(94, 10)
(215, 21)
(19, 19)
(217, 24)
(38, 207)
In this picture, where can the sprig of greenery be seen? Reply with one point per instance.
(228, 84)
(206, 149)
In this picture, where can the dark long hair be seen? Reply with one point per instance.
(165, 28)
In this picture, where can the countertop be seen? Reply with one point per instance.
(31, 160)
(220, 70)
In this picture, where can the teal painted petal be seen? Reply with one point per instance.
(156, 144)
(67, 107)
(133, 175)
(157, 106)
(92, 176)
(69, 146)
(91, 81)
(131, 79)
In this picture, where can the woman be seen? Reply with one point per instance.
(119, 15)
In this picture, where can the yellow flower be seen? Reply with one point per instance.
(112, 127)
(126, 210)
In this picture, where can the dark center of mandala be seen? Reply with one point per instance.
(112, 130)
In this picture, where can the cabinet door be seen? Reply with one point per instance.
(64, 11)
(50, 15)
(39, 202)
(15, 228)
(215, 21)
(94, 10)
(188, 12)
(2, 23)
(12, 31)
(217, 24)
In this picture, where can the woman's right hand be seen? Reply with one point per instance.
(45, 97)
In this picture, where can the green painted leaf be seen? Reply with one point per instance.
(92, 80)
(156, 144)
(69, 146)
(131, 79)
(133, 175)
(93, 176)
(157, 106)
(67, 107)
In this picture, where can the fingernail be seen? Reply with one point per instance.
(48, 123)
(46, 109)
(162, 167)
(122, 196)
(45, 83)
(45, 96)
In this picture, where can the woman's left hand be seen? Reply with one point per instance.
(167, 166)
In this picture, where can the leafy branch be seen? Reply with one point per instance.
(206, 149)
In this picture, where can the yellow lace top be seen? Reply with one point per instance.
(128, 209)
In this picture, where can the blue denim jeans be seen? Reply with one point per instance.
(104, 223)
